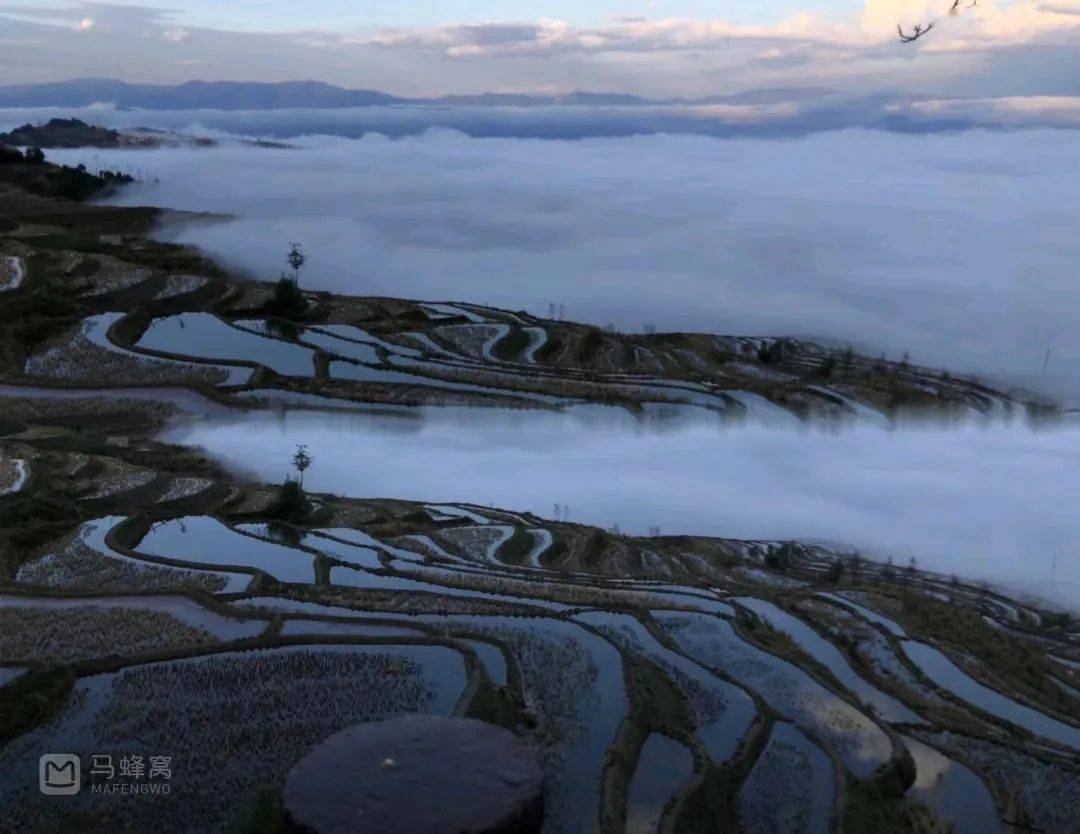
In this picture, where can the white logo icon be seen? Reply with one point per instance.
(59, 774)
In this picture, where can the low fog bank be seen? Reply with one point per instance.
(775, 113)
(546, 122)
(961, 250)
(988, 503)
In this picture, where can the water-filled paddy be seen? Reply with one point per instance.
(291, 628)
(662, 769)
(207, 337)
(722, 710)
(862, 745)
(946, 674)
(887, 707)
(955, 793)
(179, 607)
(186, 335)
(93, 534)
(202, 540)
(790, 788)
(348, 577)
(493, 659)
(574, 680)
(240, 719)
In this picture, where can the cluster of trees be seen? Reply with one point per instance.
(770, 353)
(13, 156)
(31, 169)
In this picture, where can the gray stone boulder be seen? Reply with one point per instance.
(418, 774)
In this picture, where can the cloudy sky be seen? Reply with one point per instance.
(652, 47)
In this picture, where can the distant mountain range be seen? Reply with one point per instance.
(244, 95)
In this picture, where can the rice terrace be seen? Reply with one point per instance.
(537, 542)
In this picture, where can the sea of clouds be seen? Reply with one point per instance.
(960, 249)
(987, 502)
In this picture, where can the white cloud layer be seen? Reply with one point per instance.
(985, 503)
(958, 248)
(982, 26)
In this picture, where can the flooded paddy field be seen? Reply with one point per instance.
(209, 715)
(205, 540)
(204, 336)
(936, 666)
(663, 768)
(86, 562)
(958, 796)
(722, 711)
(664, 671)
(790, 788)
(889, 709)
(37, 628)
(863, 745)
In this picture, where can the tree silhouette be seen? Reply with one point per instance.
(302, 460)
(296, 259)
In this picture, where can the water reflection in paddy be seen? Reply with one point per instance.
(93, 535)
(829, 655)
(955, 793)
(723, 711)
(492, 658)
(179, 607)
(207, 337)
(291, 628)
(367, 580)
(861, 744)
(946, 495)
(790, 788)
(574, 681)
(662, 769)
(206, 541)
(946, 674)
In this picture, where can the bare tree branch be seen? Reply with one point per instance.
(921, 30)
(916, 33)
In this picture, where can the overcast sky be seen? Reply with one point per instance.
(658, 47)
